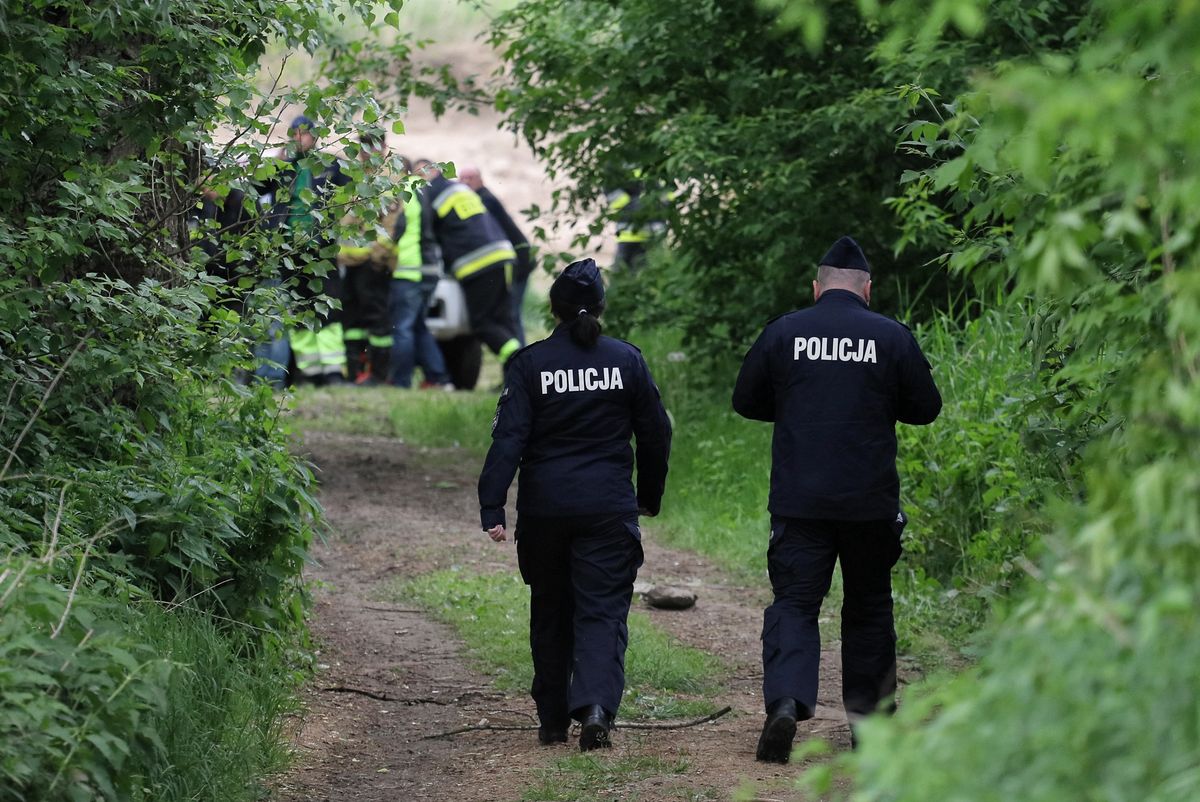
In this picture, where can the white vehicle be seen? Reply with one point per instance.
(450, 325)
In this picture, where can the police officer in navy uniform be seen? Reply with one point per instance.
(834, 379)
(570, 405)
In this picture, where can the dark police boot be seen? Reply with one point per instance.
(594, 729)
(775, 743)
(379, 359)
(552, 735)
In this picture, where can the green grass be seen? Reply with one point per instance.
(422, 418)
(583, 778)
(716, 498)
(222, 727)
(664, 679)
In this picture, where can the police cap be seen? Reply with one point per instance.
(846, 255)
(578, 285)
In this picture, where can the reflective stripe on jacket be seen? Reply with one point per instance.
(471, 240)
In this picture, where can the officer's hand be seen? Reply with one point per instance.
(646, 512)
(497, 533)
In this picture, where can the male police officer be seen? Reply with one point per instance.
(834, 379)
(570, 405)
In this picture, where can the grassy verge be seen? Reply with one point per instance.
(423, 418)
(577, 778)
(104, 699)
(222, 726)
(664, 679)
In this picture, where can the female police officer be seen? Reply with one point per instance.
(568, 409)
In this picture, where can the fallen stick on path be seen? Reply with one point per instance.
(669, 726)
(481, 728)
(391, 609)
(383, 697)
(631, 726)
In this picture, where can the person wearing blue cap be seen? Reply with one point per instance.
(834, 379)
(300, 192)
(570, 406)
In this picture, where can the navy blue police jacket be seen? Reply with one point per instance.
(565, 418)
(835, 378)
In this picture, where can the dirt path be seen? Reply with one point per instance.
(390, 676)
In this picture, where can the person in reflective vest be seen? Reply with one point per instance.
(523, 267)
(367, 264)
(300, 190)
(477, 254)
(834, 379)
(414, 278)
(638, 219)
(570, 406)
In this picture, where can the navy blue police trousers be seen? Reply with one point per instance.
(800, 561)
(580, 571)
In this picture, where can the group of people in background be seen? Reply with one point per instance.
(834, 380)
(385, 276)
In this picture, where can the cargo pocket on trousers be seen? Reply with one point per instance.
(637, 555)
(770, 637)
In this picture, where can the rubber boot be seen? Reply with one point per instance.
(379, 359)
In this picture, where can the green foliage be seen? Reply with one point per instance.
(491, 613)
(158, 479)
(99, 700)
(75, 692)
(1063, 177)
(972, 524)
(134, 469)
(221, 732)
(774, 149)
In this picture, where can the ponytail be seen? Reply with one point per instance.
(582, 323)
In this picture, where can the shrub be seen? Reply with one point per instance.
(76, 692)
(102, 700)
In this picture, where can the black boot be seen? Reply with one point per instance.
(775, 743)
(595, 725)
(380, 362)
(356, 363)
(551, 735)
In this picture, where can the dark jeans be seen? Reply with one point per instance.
(580, 572)
(412, 342)
(800, 560)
